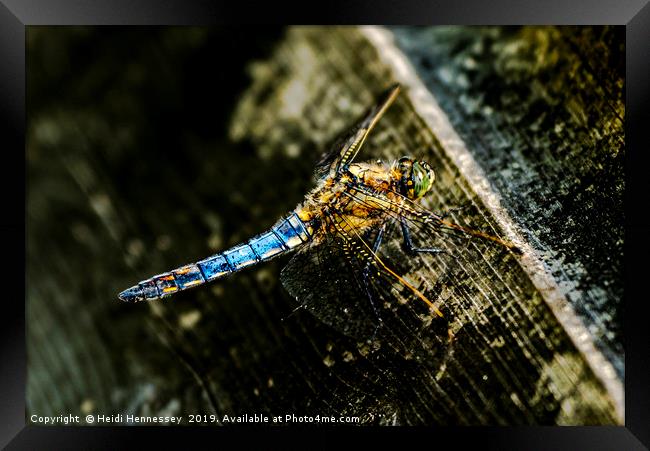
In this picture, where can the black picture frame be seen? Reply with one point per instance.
(15, 15)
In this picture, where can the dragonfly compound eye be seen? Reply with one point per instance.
(416, 177)
(422, 177)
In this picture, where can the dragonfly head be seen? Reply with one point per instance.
(416, 177)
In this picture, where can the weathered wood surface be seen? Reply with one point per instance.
(122, 184)
(541, 109)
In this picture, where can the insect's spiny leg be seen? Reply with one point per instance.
(481, 234)
(378, 238)
(382, 266)
(408, 242)
(446, 213)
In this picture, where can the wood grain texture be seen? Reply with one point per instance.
(114, 196)
(541, 109)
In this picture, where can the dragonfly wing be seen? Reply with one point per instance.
(429, 225)
(328, 285)
(330, 159)
(398, 302)
(345, 149)
(349, 287)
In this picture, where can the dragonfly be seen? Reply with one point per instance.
(337, 270)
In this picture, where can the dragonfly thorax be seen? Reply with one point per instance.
(356, 199)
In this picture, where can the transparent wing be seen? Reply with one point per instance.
(328, 285)
(365, 295)
(345, 149)
(426, 224)
(392, 295)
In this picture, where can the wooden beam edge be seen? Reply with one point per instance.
(429, 110)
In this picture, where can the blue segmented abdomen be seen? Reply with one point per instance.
(287, 234)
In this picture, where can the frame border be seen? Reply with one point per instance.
(635, 14)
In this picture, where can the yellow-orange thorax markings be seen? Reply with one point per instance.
(356, 210)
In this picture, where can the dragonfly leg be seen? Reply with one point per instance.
(445, 214)
(408, 242)
(378, 238)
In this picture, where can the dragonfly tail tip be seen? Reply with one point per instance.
(130, 295)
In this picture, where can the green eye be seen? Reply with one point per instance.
(423, 178)
(417, 177)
